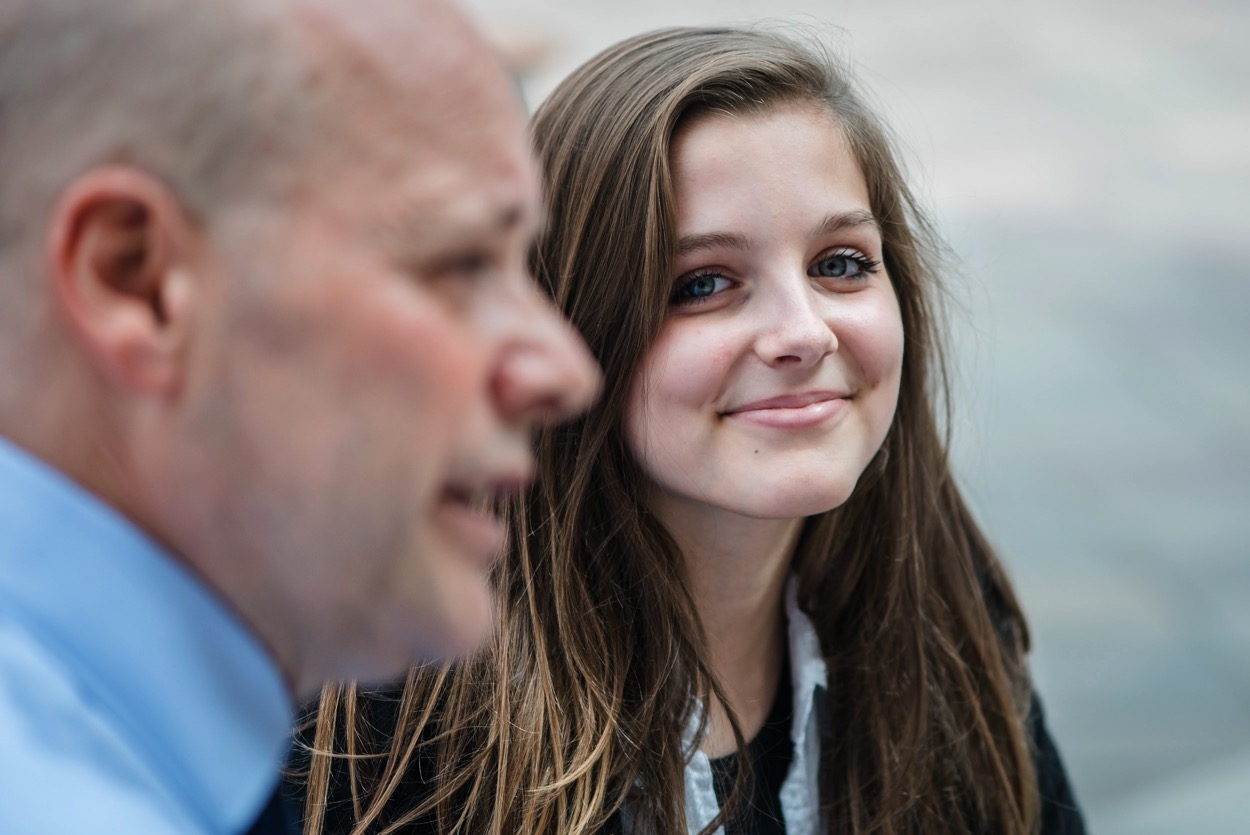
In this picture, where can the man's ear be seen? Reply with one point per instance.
(121, 257)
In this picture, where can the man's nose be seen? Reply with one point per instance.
(546, 373)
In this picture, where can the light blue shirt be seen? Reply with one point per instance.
(131, 699)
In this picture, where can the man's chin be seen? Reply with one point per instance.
(466, 622)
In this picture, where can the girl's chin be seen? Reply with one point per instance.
(789, 507)
(787, 502)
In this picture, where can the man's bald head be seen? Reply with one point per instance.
(225, 101)
(227, 104)
(193, 93)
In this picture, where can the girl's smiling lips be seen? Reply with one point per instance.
(791, 411)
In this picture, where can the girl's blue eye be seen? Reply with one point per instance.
(843, 263)
(699, 287)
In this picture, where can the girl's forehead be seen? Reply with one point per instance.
(786, 163)
(757, 114)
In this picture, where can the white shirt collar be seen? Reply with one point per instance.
(800, 792)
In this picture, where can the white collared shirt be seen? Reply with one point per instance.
(800, 792)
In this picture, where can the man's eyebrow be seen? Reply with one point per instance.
(508, 218)
(846, 220)
(421, 225)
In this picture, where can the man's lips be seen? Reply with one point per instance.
(486, 493)
(470, 513)
(791, 411)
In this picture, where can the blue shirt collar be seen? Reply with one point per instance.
(186, 682)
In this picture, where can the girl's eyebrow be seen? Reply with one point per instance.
(712, 240)
(836, 222)
(846, 220)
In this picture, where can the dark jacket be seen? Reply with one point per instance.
(1060, 814)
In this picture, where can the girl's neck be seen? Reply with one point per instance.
(736, 568)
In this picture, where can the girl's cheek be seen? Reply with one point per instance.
(874, 336)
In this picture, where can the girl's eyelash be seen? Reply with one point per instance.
(867, 264)
(685, 281)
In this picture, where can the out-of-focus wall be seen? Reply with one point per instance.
(1090, 163)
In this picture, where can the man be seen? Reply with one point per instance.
(268, 350)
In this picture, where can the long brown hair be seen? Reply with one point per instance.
(578, 704)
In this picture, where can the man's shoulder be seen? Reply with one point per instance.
(67, 766)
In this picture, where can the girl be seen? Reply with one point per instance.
(745, 594)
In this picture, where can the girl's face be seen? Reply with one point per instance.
(775, 377)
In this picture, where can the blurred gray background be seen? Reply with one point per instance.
(1090, 164)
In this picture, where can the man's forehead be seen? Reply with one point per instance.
(368, 24)
(426, 223)
(413, 74)
(436, 129)
(426, 44)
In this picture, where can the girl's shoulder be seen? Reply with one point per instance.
(1060, 813)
